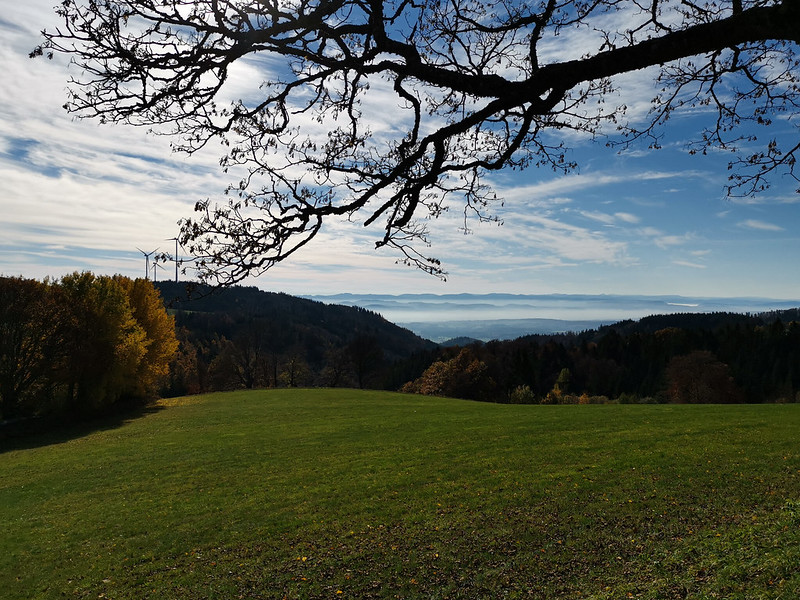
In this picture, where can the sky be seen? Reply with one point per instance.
(77, 195)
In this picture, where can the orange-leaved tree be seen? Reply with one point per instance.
(464, 376)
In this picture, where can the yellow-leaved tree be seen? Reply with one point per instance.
(77, 346)
(119, 341)
(104, 342)
(160, 341)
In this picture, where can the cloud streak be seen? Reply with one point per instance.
(686, 263)
(580, 182)
(760, 225)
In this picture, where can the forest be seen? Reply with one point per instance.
(242, 338)
(86, 345)
(684, 358)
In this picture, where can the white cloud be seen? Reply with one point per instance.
(765, 199)
(760, 225)
(685, 263)
(600, 217)
(627, 217)
(551, 236)
(665, 240)
(610, 219)
(581, 182)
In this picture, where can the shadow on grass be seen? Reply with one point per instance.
(24, 434)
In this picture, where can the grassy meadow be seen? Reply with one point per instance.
(357, 494)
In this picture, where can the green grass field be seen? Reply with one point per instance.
(349, 494)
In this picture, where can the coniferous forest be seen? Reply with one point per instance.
(243, 337)
(691, 358)
(89, 344)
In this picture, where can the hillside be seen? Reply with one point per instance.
(246, 337)
(693, 357)
(242, 337)
(329, 322)
(321, 494)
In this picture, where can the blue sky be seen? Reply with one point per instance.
(76, 195)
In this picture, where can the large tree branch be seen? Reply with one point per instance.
(472, 87)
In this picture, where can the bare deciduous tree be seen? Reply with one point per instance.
(390, 109)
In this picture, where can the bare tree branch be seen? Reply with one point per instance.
(472, 87)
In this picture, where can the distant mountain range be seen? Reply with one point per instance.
(440, 318)
(508, 316)
(496, 329)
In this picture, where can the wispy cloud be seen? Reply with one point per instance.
(664, 240)
(609, 218)
(760, 225)
(686, 263)
(600, 217)
(627, 217)
(551, 236)
(765, 199)
(579, 182)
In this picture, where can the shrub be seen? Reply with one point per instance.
(522, 394)
(461, 377)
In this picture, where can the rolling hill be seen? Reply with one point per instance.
(319, 494)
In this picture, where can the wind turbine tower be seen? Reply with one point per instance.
(176, 256)
(156, 266)
(147, 256)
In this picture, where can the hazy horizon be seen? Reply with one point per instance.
(465, 306)
(440, 317)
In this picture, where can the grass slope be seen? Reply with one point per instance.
(350, 494)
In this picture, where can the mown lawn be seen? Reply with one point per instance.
(350, 494)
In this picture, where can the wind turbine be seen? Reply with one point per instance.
(156, 266)
(147, 256)
(176, 256)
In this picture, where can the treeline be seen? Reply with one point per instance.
(247, 338)
(243, 337)
(85, 343)
(80, 345)
(718, 358)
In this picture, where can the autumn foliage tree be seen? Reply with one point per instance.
(470, 87)
(79, 345)
(104, 342)
(463, 376)
(160, 343)
(32, 323)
